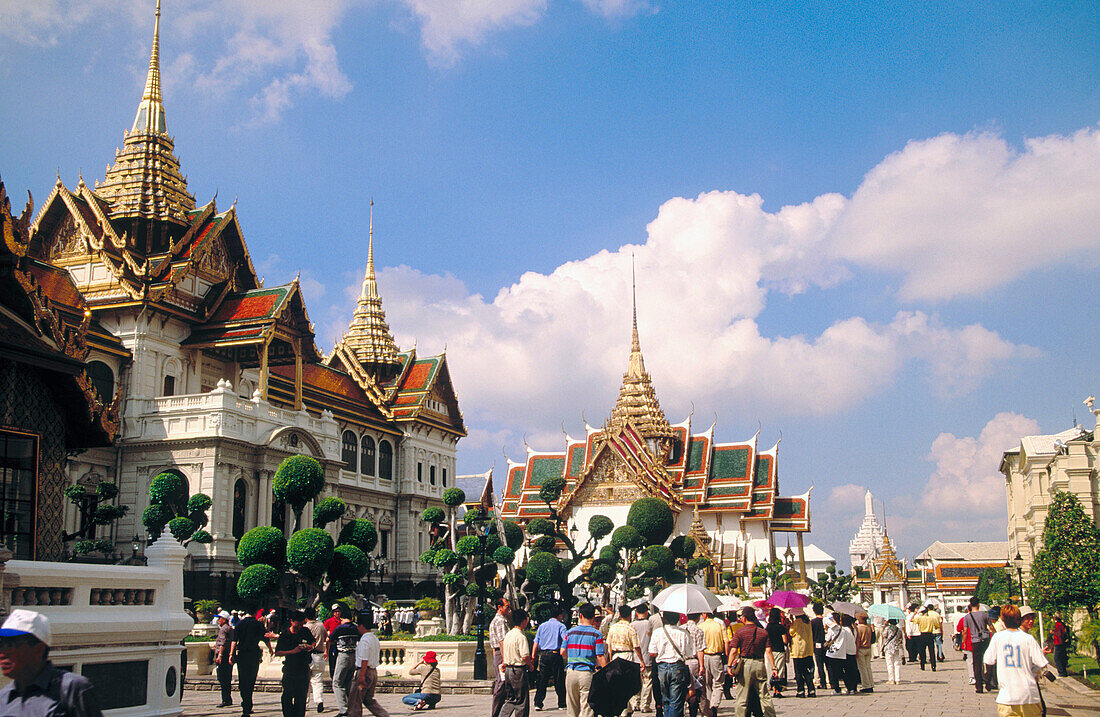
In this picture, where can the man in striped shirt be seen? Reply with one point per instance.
(584, 653)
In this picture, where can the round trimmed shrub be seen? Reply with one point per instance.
(699, 563)
(544, 568)
(551, 489)
(198, 502)
(106, 491)
(264, 544)
(200, 517)
(257, 581)
(472, 589)
(349, 563)
(547, 592)
(608, 553)
(662, 556)
(433, 515)
(504, 555)
(600, 526)
(492, 542)
(309, 551)
(541, 610)
(167, 489)
(182, 528)
(444, 558)
(201, 536)
(652, 518)
(328, 510)
(468, 545)
(454, 497)
(472, 516)
(540, 526)
(646, 568)
(107, 514)
(626, 536)
(513, 534)
(544, 543)
(727, 576)
(337, 589)
(602, 572)
(452, 579)
(361, 533)
(428, 557)
(683, 546)
(156, 517)
(298, 480)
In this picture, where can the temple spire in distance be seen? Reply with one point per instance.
(368, 336)
(150, 114)
(145, 181)
(637, 400)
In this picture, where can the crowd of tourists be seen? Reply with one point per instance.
(345, 645)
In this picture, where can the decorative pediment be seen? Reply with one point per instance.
(609, 481)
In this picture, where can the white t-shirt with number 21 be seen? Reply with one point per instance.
(1018, 657)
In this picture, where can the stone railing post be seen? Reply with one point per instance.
(167, 553)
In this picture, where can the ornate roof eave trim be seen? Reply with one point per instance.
(16, 230)
(174, 250)
(92, 200)
(361, 377)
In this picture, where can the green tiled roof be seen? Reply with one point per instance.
(760, 475)
(695, 455)
(516, 488)
(733, 490)
(576, 460)
(730, 463)
(543, 469)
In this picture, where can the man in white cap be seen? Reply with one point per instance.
(38, 688)
(224, 646)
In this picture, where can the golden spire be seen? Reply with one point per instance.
(145, 180)
(150, 114)
(368, 336)
(637, 399)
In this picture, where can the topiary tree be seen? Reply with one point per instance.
(1066, 571)
(320, 569)
(995, 586)
(169, 506)
(833, 585)
(95, 511)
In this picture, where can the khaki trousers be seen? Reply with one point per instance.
(863, 661)
(699, 673)
(643, 701)
(754, 677)
(713, 675)
(577, 684)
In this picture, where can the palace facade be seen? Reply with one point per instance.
(217, 377)
(725, 495)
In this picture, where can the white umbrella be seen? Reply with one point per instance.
(686, 598)
(729, 604)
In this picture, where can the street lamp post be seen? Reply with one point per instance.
(1018, 561)
(481, 667)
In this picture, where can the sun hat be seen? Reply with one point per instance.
(224, 614)
(27, 622)
(429, 656)
(1026, 610)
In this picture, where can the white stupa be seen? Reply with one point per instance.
(867, 543)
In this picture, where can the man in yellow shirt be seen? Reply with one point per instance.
(802, 655)
(714, 659)
(928, 621)
(623, 643)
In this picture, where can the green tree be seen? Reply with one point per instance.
(768, 576)
(169, 506)
(321, 569)
(833, 585)
(1066, 571)
(95, 510)
(995, 586)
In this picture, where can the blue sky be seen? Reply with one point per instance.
(869, 227)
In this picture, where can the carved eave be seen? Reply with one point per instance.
(95, 203)
(364, 380)
(650, 476)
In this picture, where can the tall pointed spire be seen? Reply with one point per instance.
(638, 402)
(145, 180)
(150, 114)
(368, 336)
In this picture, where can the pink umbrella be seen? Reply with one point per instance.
(789, 600)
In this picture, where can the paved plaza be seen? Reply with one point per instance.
(944, 693)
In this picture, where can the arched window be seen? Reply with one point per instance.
(347, 454)
(444, 477)
(431, 474)
(103, 378)
(240, 495)
(366, 456)
(385, 460)
(172, 372)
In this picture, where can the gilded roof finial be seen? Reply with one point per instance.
(150, 114)
(635, 345)
(369, 335)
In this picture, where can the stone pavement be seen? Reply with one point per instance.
(944, 693)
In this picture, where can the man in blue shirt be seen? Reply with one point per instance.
(584, 652)
(37, 687)
(549, 640)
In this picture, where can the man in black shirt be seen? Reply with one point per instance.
(341, 643)
(250, 632)
(817, 628)
(295, 646)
